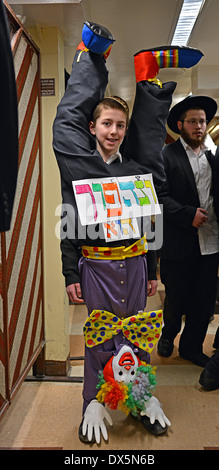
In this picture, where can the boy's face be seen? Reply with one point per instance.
(109, 129)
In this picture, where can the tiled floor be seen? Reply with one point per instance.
(47, 415)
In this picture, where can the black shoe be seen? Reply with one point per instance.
(165, 347)
(208, 381)
(197, 359)
(156, 429)
(83, 438)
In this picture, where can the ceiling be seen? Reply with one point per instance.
(136, 25)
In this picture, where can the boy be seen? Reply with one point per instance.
(117, 282)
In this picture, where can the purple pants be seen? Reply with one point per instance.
(120, 287)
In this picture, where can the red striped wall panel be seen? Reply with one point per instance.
(21, 286)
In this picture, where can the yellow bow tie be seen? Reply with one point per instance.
(143, 329)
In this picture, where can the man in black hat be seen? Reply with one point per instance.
(189, 257)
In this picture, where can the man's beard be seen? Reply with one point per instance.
(193, 143)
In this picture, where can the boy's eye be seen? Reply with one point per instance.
(108, 124)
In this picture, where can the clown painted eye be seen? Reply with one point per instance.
(132, 372)
(120, 372)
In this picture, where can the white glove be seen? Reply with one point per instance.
(154, 411)
(94, 421)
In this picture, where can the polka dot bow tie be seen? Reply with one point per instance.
(143, 329)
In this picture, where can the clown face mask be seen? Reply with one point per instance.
(125, 365)
(126, 382)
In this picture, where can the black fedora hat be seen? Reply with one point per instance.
(192, 101)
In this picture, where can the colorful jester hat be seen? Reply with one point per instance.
(126, 382)
(149, 61)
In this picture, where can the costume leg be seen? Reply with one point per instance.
(147, 128)
(86, 87)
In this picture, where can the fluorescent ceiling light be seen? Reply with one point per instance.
(187, 18)
(40, 2)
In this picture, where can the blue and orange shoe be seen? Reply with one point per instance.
(148, 62)
(97, 38)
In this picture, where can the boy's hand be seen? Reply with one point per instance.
(152, 288)
(74, 293)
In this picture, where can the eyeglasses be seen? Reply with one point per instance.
(194, 122)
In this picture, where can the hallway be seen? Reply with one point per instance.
(34, 309)
(46, 415)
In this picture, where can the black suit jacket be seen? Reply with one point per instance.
(180, 201)
(9, 126)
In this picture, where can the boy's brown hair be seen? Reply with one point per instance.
(114, 102)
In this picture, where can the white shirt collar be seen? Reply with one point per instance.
(186, 146)
(114, 157)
